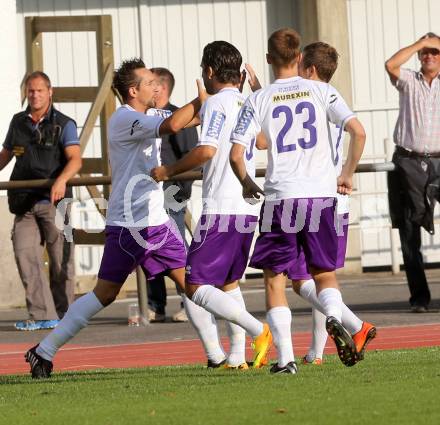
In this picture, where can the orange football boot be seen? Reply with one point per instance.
(363, 337)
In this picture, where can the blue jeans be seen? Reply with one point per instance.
(156, 290)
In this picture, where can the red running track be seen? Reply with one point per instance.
(76, 357)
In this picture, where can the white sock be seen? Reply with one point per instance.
(76, 318)
(280, 322)
(349, 320)
(206, 327)
(319, 332)
(237, 335)
(331, 301)
(308, 292)
(319, 336)
(223, 305)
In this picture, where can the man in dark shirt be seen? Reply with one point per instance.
(45, 145)
(174, 147)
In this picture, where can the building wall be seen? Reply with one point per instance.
(172, 34)
(377, 29)
(169, 33)
(11, 290)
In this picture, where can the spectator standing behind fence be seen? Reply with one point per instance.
(413, 187)
(45, 145)
(174, 147)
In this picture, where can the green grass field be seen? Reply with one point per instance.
(388, 387)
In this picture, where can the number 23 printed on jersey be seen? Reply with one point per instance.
(284, 112)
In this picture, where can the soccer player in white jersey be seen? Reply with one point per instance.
(319, 62)
(138, 230)
(300, 189)
(219, 251)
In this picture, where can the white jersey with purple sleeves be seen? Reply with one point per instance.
(136, 199)
(293, 113)
(221, 190)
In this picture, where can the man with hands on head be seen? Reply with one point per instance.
(412, 186)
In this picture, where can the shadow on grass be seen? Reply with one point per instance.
(157, 372)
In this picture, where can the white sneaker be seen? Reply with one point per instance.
(180, 316)
(154, 317)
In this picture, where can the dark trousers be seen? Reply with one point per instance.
(157, 294)
(408, 190)
(411, 241)
(156, 289)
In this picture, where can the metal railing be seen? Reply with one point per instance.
(189, 175)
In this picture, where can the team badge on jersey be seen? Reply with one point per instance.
(216, 124)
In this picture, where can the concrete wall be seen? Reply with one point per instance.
(168, 33)
(11, 290)
(326, 20)
(172, 33)
(376, 30)
(9, 74)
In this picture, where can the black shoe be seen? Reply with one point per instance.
(40, 368)
(212, 365)
(344, 343)
(290, 367)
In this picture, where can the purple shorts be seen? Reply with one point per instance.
(219, 251)
(291, 226)
(299, 270)
(156, 249)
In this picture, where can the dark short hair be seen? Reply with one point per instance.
(124, 77)
(283, 46)
(38, 74)
(165, 76)
(224, 59)
(323, 56)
